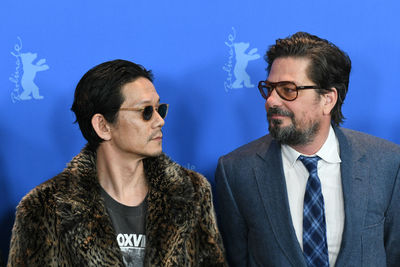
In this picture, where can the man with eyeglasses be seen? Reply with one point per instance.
(120, 201)
(309, 193)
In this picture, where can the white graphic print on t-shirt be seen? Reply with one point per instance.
(132, 248)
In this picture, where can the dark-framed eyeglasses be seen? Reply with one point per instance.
(147, 111)
(285, 89)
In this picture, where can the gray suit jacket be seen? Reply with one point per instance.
(253, 209)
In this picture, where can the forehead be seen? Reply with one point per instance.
(139, 91)
(290, 69)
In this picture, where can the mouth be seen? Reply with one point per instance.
(276, 117)
(156, 137)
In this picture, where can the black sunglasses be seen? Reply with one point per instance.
(147, 111)
(285, 89)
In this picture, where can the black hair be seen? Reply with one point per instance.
(329, 66)
(99, 91)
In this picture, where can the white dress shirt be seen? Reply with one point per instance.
(296, 176)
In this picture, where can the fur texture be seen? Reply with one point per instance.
(63, 222)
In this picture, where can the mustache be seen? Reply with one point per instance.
(155, 134)
(278, 111)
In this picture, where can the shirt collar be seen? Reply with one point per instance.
(329, 151)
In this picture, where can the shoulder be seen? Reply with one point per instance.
(248, 151)
(382, 157)
(366, 143)
(74, 181)
(175, 190)
(200, 183)
(41, 200)
(35, 216)
(167, 176)
(39, 196)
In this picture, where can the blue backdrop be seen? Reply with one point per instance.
(207, 57)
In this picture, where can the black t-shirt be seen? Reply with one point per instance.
(129, 224)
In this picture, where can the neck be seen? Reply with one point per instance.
(121, 177)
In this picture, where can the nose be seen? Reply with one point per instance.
(158, 121)
(273, 100)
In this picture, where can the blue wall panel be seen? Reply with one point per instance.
(201, 52)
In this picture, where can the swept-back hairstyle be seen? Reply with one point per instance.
(329, 66)
(99, 91)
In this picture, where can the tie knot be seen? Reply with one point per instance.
(311, 163)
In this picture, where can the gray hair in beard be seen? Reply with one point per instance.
(290, 135)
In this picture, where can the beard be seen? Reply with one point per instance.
(290, 135)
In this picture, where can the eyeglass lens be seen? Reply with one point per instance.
(286, 90)
(148, 111)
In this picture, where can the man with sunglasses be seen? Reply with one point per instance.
(310, 193)
(120, 201)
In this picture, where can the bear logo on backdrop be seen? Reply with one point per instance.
(238, 50)
(25, 73)
(189, 166)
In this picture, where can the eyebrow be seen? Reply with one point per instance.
(281, 81)
(146, 102)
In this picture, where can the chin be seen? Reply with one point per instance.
(155, 153)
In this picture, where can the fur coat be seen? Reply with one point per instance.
(64, 222)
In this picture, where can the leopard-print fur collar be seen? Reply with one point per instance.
(180, 224)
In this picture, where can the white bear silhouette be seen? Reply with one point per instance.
(242, 60)
(29, 74)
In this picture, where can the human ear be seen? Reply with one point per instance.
(101, 127)
(330, 100)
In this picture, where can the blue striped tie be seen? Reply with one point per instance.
(315, 248)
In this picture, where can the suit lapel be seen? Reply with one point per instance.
(354, 171)
(272, 189)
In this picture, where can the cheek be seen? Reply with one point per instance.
(302, 113)
(309, 116)
(132, 131)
